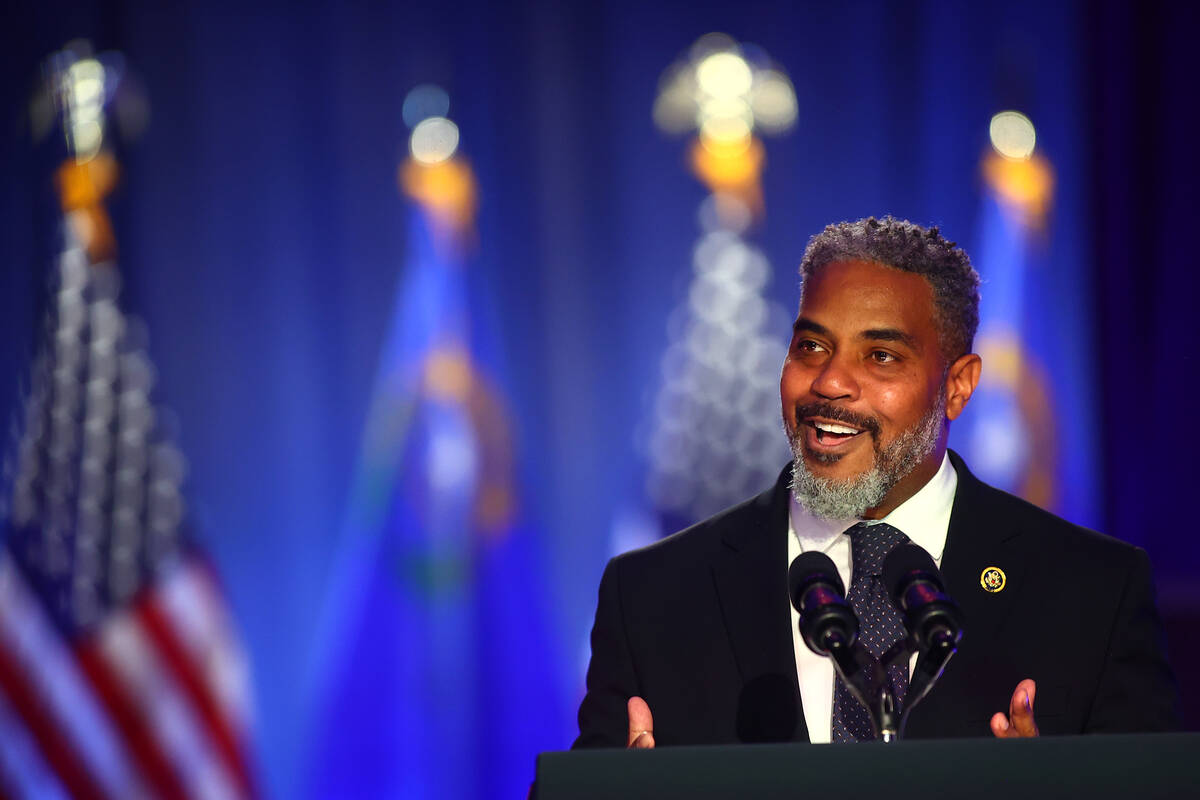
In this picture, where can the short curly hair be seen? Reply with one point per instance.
(900, 244)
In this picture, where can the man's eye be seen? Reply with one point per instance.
(882, 357)
(808, 346)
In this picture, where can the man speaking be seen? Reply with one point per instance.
(695, 641)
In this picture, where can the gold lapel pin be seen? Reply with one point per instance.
(992, 579)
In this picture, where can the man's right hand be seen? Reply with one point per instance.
(1019, 723)
(641, 725)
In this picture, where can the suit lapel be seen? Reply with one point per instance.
(750, 574)
(978, 540)
(980, 536)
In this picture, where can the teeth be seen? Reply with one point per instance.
(830, 428)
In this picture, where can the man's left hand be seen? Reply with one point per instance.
(1019, 723)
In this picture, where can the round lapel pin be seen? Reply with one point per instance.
(992, 579)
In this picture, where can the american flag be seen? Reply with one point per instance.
(120, 675)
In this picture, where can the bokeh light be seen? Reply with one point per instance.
(714, 437)
(715, 433)
(724, 211)
(773, 101)
(1012, 135)
(424, 101)
(725, 95)
(83, 90)
(725, 136)
(675, 105)
(86, 82)
(710, 43)
(724, 75)
(433, 140)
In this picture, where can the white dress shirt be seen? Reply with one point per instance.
(924, 518)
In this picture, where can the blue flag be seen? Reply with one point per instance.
(1028, 427)
(438, 677)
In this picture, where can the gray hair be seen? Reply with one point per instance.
(900, 244)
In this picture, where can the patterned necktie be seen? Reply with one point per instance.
(880, 626)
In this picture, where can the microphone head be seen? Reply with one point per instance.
(809, 568)
(817, 593)
(917, 590)
(903, 563)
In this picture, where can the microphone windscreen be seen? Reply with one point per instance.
(809, 567)
(903, 561)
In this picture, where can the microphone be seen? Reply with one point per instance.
(933, 620)
(827, 623)
(829, 627)
(916, 588)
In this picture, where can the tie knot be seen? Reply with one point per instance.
(870, 544)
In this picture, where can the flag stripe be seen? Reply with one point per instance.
(171, 649)
(30, 636)
(59, 755)
(23, 771)
(132, 656)
(129, 721)
(192, 604)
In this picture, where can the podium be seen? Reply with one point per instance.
(1129, 766)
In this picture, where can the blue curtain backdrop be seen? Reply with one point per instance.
(264, 241)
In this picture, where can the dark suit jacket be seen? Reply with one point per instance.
(698, 625)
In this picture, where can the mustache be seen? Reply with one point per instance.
(837, 414)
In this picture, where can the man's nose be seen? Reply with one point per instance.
(836, 381)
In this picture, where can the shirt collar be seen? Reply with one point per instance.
(922, 517)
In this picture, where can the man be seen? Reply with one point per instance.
(695, 641)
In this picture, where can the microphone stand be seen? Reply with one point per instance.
(931, 663)
(885, 712)
(854, 666)
(889, 721)
(885, 716)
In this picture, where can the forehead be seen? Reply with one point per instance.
(851, 296)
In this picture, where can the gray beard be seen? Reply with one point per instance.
(851, 498)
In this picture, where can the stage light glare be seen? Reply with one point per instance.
(725, 108)
(86, 79)
(725, 137)
(710, 44)
(1012, 135)
(773, 101)
(424, 101)
(433, 140)
(83, 84)
(87, 134)
(675, 105)
(724, 76)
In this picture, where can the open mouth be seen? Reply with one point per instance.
(831, 434)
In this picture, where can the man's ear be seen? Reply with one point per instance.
(961, 380)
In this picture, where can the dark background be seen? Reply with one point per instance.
(262, 239)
